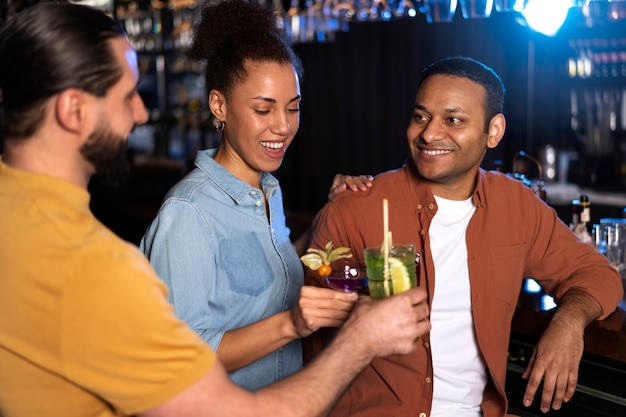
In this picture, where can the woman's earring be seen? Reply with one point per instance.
(219, 125)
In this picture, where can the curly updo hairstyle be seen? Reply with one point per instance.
(233, 32)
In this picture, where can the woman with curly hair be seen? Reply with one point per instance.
(220, 240)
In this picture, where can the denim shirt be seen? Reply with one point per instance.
(226, 265)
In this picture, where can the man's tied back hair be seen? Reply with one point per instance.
(235, 31)
(50, 47)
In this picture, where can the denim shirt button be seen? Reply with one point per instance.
(258, 203)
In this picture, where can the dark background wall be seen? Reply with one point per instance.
(358, 94)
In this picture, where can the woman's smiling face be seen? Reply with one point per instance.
(262, 116)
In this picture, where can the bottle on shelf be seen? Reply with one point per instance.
(585, 210)
(581, 218)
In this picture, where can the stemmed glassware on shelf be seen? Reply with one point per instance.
(609, 238)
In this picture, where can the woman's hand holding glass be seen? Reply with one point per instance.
(319, 307)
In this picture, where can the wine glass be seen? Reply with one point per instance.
(439, 10)
(472, 9)
(615, 244)
(510, 5)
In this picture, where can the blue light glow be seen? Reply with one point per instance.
(546, 17)
(547, 302)
(531, 286)
(510, 5)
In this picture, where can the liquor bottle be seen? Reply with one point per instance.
(582, 220)
(585, 210)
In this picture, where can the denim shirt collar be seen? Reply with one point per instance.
(224, 179)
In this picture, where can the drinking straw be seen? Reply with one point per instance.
(386, 246)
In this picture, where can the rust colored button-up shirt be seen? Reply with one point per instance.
(512, 235)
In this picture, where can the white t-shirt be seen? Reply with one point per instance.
(459, 369)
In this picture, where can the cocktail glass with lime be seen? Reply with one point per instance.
(402, 261)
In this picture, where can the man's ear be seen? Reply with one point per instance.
(70, 109)
(497, 126)
(217, 104)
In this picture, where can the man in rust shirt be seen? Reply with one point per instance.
(479, 234)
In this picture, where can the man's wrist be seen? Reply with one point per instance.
(577, 310)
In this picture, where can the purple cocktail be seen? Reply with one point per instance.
(357, 284)
(349, 279)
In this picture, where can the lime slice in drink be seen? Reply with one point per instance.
(399, 275)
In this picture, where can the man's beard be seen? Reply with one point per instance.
(107, 151)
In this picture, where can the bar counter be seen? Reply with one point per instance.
(601, 390)
(605, 338)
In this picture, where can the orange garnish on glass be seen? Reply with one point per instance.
(319, 260)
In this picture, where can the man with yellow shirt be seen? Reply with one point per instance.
(85, 326)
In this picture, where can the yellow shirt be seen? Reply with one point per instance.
(85, 326)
